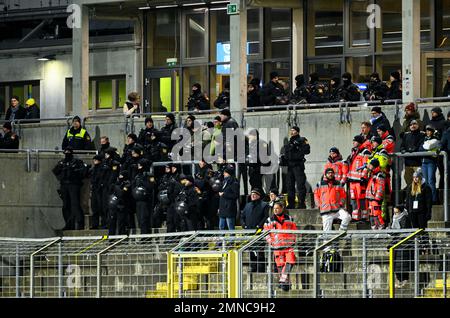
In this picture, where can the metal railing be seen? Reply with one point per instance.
(397, 184)
(236, 264)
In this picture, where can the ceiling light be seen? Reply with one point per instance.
(46, 58)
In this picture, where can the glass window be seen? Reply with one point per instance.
(284, 72)
(359, 31)
(391, 25)
(163, 37)
(253, 31)
(192, 75)
(277, 32)
(387, 64)
(325, 70)
(444, 76)
(3, 102)
(360, 68)
(324, 27)
(104, 94)
(18, 90)
(122, 92)
(104, 27)
(91, 95)
(254, 71)
(444, 13)
(195, 34)
(219, 30)
(425, 22)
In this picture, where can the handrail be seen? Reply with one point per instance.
(391, 261)
(432, 99)
(425, 154)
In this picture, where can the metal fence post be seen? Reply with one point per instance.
(180, 277)
(364, 267)
(446, 212)
(99, 275)
(17, 271)
(269, 272)
(60, 270)
(32, 276)
(28, 160)
(416, 266)
(444, 275)
(36, 167)
(316, 275)
(397, 181)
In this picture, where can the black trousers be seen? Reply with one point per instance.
(143, 216)
(158, 215)
(104, 216)
(96, 207)
(172, 219)
(118, 220)
(255, 177)
(296, 176)
(72, 212)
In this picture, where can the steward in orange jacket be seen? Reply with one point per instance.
(388, 139)
(355, 178)
(375, 194)
(282, 243)
(335, 162)
(330, 198)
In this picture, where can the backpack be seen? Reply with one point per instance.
(331, 262)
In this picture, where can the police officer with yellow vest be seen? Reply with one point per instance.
(77, 137)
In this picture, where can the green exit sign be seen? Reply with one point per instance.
(232, 8)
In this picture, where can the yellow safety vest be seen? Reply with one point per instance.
(78, 135)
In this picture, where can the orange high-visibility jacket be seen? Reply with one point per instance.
(388, 142)
(329, 196)
(280, 240)
(376, 185)
(356, 161)
(339, 167)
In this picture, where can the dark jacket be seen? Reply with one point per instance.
(96, 176)
(446, 91)
(407, 120)
(166, 135)
(143, 179)
(350, 93)
(33, 112)
(445, 142)
(411, 142)
(293, 154)
(223, 100)
(440, 124)
(190, 197)
(300, 95)
(197, 101)
(254, 98)
(254, 215)
(78, 139)
(395, 91)
(424, 198)
(273, 94)
(228, 201)
(377, 90)
(9, 141)
(20, 113)
(71, 171)
(382, 120)
(318, 92)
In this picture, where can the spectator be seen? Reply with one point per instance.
(376, 90)
(411, 114)
(282, 243)
(132, 104)
(330, 198)
(419, 201)
(9, 140)
(223, 100)
(70, 172)
(273, 197)
(378, 118)
(229, 195)
(300, 94)
(197, 100)
(293, 155)
(395, 91)
(403, 256)
(375, 193)
(207, 130)
(349, 91)
(15, 110)
(439, 123)
(253, 93)
(215, 135)
(32, 110)
(318, 92)
(166, 131)
(358, 157)
(77, 137)
(104, 144)
(253, 216)
(429, 164)
(335, 90)
(446, 90)
(273, 92)
(365, 132)
(411, 142)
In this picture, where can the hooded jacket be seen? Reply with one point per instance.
(329, 196)
(339, 167)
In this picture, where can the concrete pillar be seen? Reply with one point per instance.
(238, 74)
(80, 61)
(297, 44)
(411, 49)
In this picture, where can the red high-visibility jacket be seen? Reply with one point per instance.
(339, 167)
(280, 240)
(329, 196)
(356, 162)
(388, 142)
(376, 185)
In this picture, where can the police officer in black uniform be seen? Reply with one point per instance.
(143, 184)
(350, 92)
(318, 91)
(131, 142)
(300, 93)
(77, 137)
(377, 89)
(166, 131)
(197, 100)
(223, 100)
(95, 175)
(174, 187)
(273, 92)
(119, 203)
(110, 169)
(293, 156)
(70, 172)
(162, 198)
(186, 204)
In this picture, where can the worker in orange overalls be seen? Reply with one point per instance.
(356, 162)
(282, 243)
(339, 167)
(375, 194)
